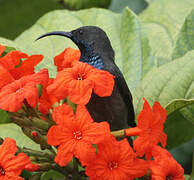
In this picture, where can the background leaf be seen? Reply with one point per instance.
(163, 20)
(13, 131)
(177, 104)
(178, 129)
(132, 49)
(6, 42)
(136, 6)
(185, 39)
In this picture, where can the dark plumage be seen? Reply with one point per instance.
(97, 51)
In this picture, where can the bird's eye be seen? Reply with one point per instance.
(81, 32)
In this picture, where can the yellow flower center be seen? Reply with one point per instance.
(112, 165)
(77, 135)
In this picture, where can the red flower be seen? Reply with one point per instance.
(11, 166)
(149, 129)
(2, 49)
(79, 81)
(13, 94)
(26, 67)
(164, 166)
(116, 161)
(12, 68)
(66, 58)
(75, 134)
(46, 100)
(5, 77)
(11, 59)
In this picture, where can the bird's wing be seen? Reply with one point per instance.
(124, 92)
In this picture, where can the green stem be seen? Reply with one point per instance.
(35, 153)
(119, 133)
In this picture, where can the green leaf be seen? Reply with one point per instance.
(187, 177)
(136, 6)
(13, 131)
(166, 83)
(177, 104)
(132, 49)
(51, 175)
(151, 1)
(137, 55)
(4, 117)
(160, 41)
(6, 42)
(163, 20)
(178, 129)
(185, 39)
(84, 4)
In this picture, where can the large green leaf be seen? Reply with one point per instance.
(171, 81)
(83, 4)
(177, 104)
(178, 129)
(133, 53)
(185, 41)
(163, 20)
(13, 131)
(7, 42)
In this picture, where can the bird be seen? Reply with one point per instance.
(96, 50)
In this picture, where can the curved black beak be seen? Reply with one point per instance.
(59, 33)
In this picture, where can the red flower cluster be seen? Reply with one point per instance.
(75, 134)
(18, 81)
(11, 166)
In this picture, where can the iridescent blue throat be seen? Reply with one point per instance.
(94, 61)
(88, 55)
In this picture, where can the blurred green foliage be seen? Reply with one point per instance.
(18, 15)
(136, 6)
(84, 4)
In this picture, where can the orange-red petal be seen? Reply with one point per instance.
(2, 49)
(65, 59)
(63, 114)
(165, 166)
(103, 82)
(27, 66)
(12, 59)
(5, 77)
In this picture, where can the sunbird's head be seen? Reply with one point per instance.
(86, 37)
